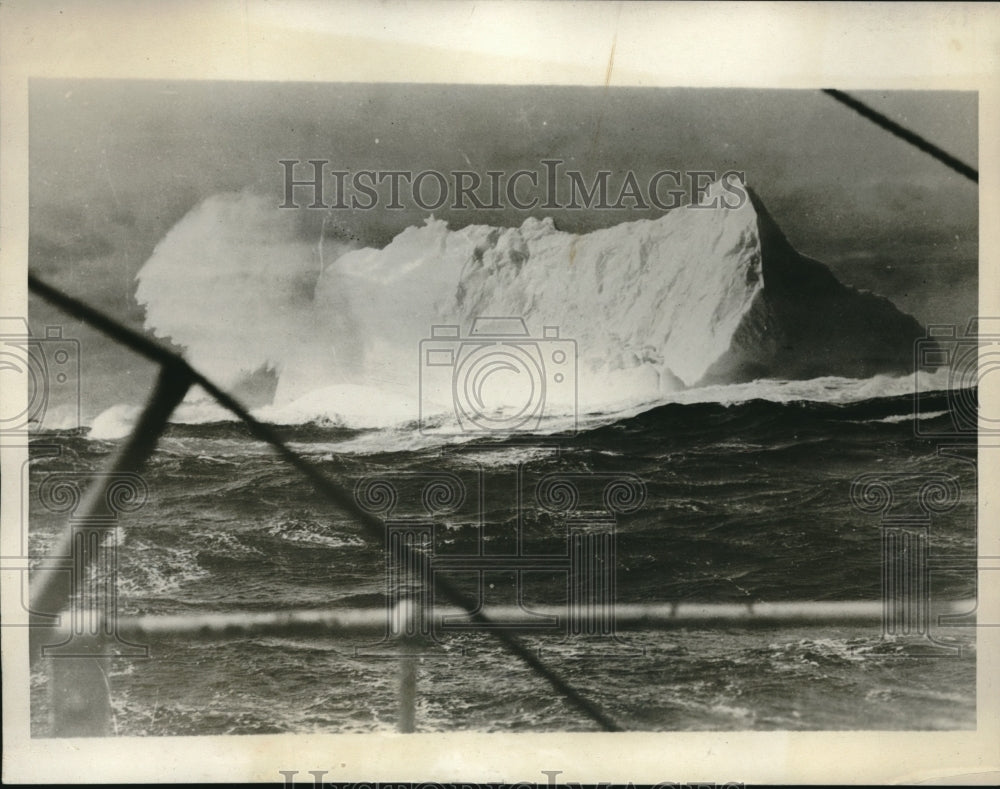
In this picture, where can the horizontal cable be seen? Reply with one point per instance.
(326, 487)
(903, 133)
(626, 617)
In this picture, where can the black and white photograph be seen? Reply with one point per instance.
(428, 407)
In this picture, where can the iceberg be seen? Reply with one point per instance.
(706, 294)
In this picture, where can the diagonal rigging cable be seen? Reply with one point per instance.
(903, 133)
(176, 366)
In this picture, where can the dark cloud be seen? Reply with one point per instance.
(48, 254)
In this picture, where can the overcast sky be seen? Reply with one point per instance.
(115, 164)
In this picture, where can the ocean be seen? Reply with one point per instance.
(739, 499)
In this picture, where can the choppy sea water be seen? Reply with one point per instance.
(747, 501)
